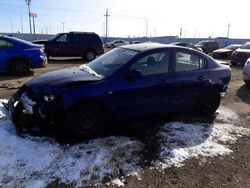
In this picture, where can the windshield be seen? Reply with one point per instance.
(246, 46)
(54, 37)
(201, 42)
(111, 61)
(233, 47)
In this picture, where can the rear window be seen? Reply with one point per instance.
(85, 38)
(188, 62)
(5, 44)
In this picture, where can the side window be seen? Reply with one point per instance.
(5, 44)
(188, 62)
(77, 38)
(62, 38)
(153, 64)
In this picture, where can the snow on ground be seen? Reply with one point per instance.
(35, 162)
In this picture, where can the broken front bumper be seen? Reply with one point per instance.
(31, 114)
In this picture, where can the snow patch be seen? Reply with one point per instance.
(36, 161)
(227, 115)
(180, 141)
(117, 182)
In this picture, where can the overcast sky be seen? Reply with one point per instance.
(197, 18)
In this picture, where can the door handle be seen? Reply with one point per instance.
(201, 78)
(163, 82)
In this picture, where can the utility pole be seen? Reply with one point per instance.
(28, 2)
(11, 26)
(181, 32)
(106, 34)
(21, 23)
(146, 27)
(228, 29)
(34, 27)
(63, 26)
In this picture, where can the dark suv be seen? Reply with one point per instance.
(74, 44)
(208, 46)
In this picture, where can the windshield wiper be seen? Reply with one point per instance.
(86, 68)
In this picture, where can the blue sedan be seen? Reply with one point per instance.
(18, 56)
(132, 81)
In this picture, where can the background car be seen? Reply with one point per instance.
(241, 55)
(225, 53)
(208, 46)
(186, 44)
(116, 43)
(18, 56)
(246, 72)
(74, 44)
(129, 82)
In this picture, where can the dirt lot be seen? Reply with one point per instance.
(228, 171)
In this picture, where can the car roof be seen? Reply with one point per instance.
(145, 46)
(14, 39)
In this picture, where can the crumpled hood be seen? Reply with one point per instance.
(58, 79)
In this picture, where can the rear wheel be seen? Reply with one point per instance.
(90, 55)
(210, 102)
(85, 121)
(20, 67)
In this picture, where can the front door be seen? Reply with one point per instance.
(142, 95)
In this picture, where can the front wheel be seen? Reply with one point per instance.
(210, 102)
(85, 121)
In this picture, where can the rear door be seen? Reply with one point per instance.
(188, 79)
(79, 44)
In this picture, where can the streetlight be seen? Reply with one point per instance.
(28, 2)
(63, 26)
(146, 26)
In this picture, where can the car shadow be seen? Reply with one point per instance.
(243, 93)
(8, 76)
(66, 60)
(147, 131)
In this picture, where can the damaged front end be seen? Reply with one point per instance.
(34, 113)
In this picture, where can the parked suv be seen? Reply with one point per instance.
(208, 46)
(74, 44)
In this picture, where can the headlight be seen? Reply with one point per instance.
(42, 50)
(49, 98)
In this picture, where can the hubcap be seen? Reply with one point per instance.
(90, 55)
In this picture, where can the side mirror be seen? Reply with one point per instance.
(133, 74)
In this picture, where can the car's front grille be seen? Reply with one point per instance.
(32, 95)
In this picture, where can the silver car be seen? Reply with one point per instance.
(246, 72)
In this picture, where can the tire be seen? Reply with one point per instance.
(85, 121)
(210, 102)
(90, 55)
(19, 67)
(112, 46)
